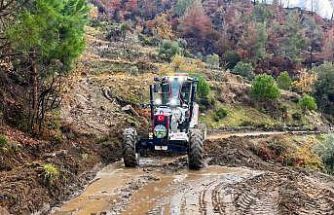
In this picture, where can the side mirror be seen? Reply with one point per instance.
(185, 106)
(156, 88)
(144, 106)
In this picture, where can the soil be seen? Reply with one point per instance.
(235, 181)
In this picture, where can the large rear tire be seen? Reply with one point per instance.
(204, 130)
(196, 150)
(130, 139)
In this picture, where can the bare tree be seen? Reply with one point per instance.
(332, 17)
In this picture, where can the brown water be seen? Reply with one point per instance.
(118, 190)
(150, 189)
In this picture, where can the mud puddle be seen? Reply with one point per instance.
(150, 189)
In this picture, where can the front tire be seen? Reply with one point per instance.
(130, 139)
(196, 150)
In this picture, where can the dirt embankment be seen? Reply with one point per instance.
(37, 175)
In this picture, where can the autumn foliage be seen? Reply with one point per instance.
(271, 37)
(196, 23)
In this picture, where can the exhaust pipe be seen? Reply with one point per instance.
(152, 102)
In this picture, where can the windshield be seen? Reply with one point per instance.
(173, 92)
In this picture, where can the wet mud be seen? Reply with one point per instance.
(235, 181)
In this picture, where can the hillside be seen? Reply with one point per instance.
(112, 80)
(224, 29)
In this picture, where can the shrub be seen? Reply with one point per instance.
(182, 64)
(124, 27)
(134, 70)
(199, 55)
(244, 69)
(169, 49)
(284, 81)
(182, 6)
(307, 103)
(325, 151)
(148, 41)
(178, 61)
(232, 58)
(212, 60)
(182, 43)
(324, 87)
(51, 172)
(220, 114)
(116, 33)
(3, 141)
(264, 87)
(203, 88)
(297, 116)
(305, 82)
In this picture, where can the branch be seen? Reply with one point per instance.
(5, 6)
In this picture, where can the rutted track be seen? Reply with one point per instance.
(165, 186)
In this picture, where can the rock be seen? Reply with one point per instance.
(60, 153)
(129, 109)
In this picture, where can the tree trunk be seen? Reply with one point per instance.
(34, 106)
(332, 23)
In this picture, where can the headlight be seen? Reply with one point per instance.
(160, 131)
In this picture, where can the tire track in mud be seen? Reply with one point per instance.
(228, 194)
(308, 195)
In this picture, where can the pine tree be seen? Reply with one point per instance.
(46, 32)
(261, 41)
(295, 40)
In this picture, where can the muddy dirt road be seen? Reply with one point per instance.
(154, 191)
(165, 186)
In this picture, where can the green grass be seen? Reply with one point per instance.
(246, 116)
(3, 141)
(51, 172)
(239, 116)
(307, 119)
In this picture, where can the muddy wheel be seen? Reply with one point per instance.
(204, 130)
(196, 151)
(129, 147)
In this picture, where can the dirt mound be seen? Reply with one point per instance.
(280, 190)
(235, 151)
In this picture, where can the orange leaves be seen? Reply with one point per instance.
(305, 81)
(161, 27)
(247, 42)
(196, 23)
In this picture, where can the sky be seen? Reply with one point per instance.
(323, 7)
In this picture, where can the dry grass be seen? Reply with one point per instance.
(289, 150)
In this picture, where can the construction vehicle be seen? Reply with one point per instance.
(175, 125)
